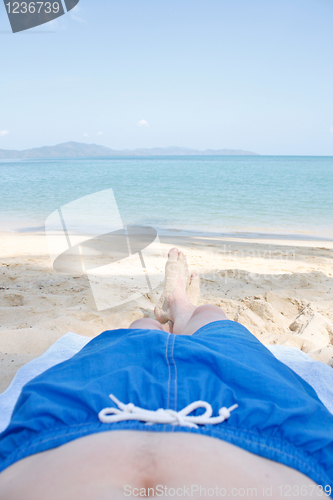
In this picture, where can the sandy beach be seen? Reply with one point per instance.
(281, 290)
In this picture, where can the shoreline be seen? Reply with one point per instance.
(280, 289)
(265, 236)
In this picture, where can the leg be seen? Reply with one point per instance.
(175, 305)
(149, 324)
(202, 316)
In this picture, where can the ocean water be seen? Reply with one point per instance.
(240, 195)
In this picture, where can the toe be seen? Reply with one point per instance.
(194, 280)
(181, 256)
(193, 289)
(173, 254)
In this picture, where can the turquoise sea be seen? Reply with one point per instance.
(243, 195)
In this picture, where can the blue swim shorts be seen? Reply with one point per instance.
(279, 415)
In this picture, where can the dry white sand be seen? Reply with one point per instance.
(281, 290)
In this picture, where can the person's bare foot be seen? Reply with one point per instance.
(174, 305)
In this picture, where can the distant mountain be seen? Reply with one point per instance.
(78, 149)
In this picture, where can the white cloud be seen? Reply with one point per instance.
(85, 134)
(331, 130)
(142, 123)
(99, 133)
(77, 18)
(4, 132)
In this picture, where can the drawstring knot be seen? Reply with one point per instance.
(161, 416)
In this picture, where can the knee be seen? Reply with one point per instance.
(146, 324)
(209, 309)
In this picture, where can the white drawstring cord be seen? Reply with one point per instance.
(162, 416)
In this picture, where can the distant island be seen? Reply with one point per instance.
(78, 149)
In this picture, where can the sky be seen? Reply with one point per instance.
(255, 75)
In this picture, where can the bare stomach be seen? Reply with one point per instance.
(125, 464)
